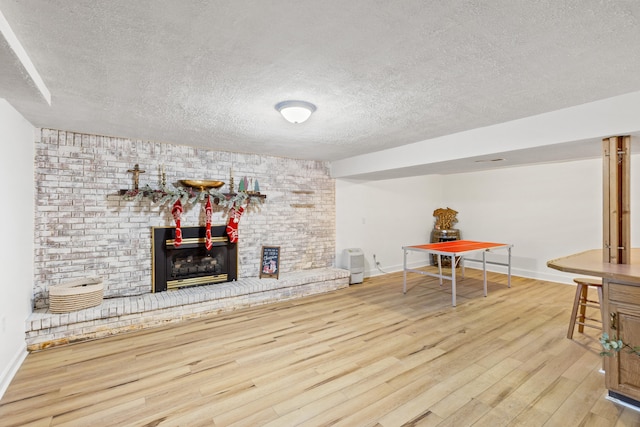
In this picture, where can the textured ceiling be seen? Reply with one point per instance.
(381, 73)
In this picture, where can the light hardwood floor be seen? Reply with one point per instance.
(363, 356)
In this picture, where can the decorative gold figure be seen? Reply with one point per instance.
(136, 175)
(445, 218)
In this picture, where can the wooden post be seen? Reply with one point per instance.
(616, 227)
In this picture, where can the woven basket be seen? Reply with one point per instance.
(75, 295)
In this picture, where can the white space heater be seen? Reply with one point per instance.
(353, 260)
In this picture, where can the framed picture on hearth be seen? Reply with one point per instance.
(270, 262)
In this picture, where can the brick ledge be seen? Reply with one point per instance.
(116, 315)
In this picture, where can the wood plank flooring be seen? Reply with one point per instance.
(363, 356)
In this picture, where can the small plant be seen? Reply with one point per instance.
(614, 345)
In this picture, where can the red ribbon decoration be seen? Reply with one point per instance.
(176, 211)
(208, 213)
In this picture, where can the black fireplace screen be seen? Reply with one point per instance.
(191, 264)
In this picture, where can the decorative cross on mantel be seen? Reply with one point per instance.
(136, 175)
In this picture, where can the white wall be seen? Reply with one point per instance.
(16, 252)
(382, 216)
(546, 211)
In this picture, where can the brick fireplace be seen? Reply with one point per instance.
(83, 227)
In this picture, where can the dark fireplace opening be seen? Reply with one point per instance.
(191, 264)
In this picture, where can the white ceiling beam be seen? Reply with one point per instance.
(21, 54)
(594, 120)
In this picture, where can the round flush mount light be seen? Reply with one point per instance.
(295, 111)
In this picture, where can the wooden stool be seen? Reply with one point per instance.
(581, 302)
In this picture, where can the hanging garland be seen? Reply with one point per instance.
(189, 196)
(614, 345)
(178, 197)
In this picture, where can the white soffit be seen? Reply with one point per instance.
(569, 134)
(11, 43)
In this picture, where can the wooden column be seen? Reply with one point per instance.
(616, 210)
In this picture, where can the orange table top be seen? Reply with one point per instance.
(458, 246)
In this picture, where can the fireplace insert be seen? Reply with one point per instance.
(191, 264)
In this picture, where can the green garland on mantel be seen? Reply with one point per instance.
(189, 195)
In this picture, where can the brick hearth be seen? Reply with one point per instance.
(123, 314)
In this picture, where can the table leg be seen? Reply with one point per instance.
(440, 268)
(404, 269)
(453, 281)
(462, 265)
(484, 269)
(509, 267)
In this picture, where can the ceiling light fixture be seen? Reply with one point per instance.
(295, 111)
